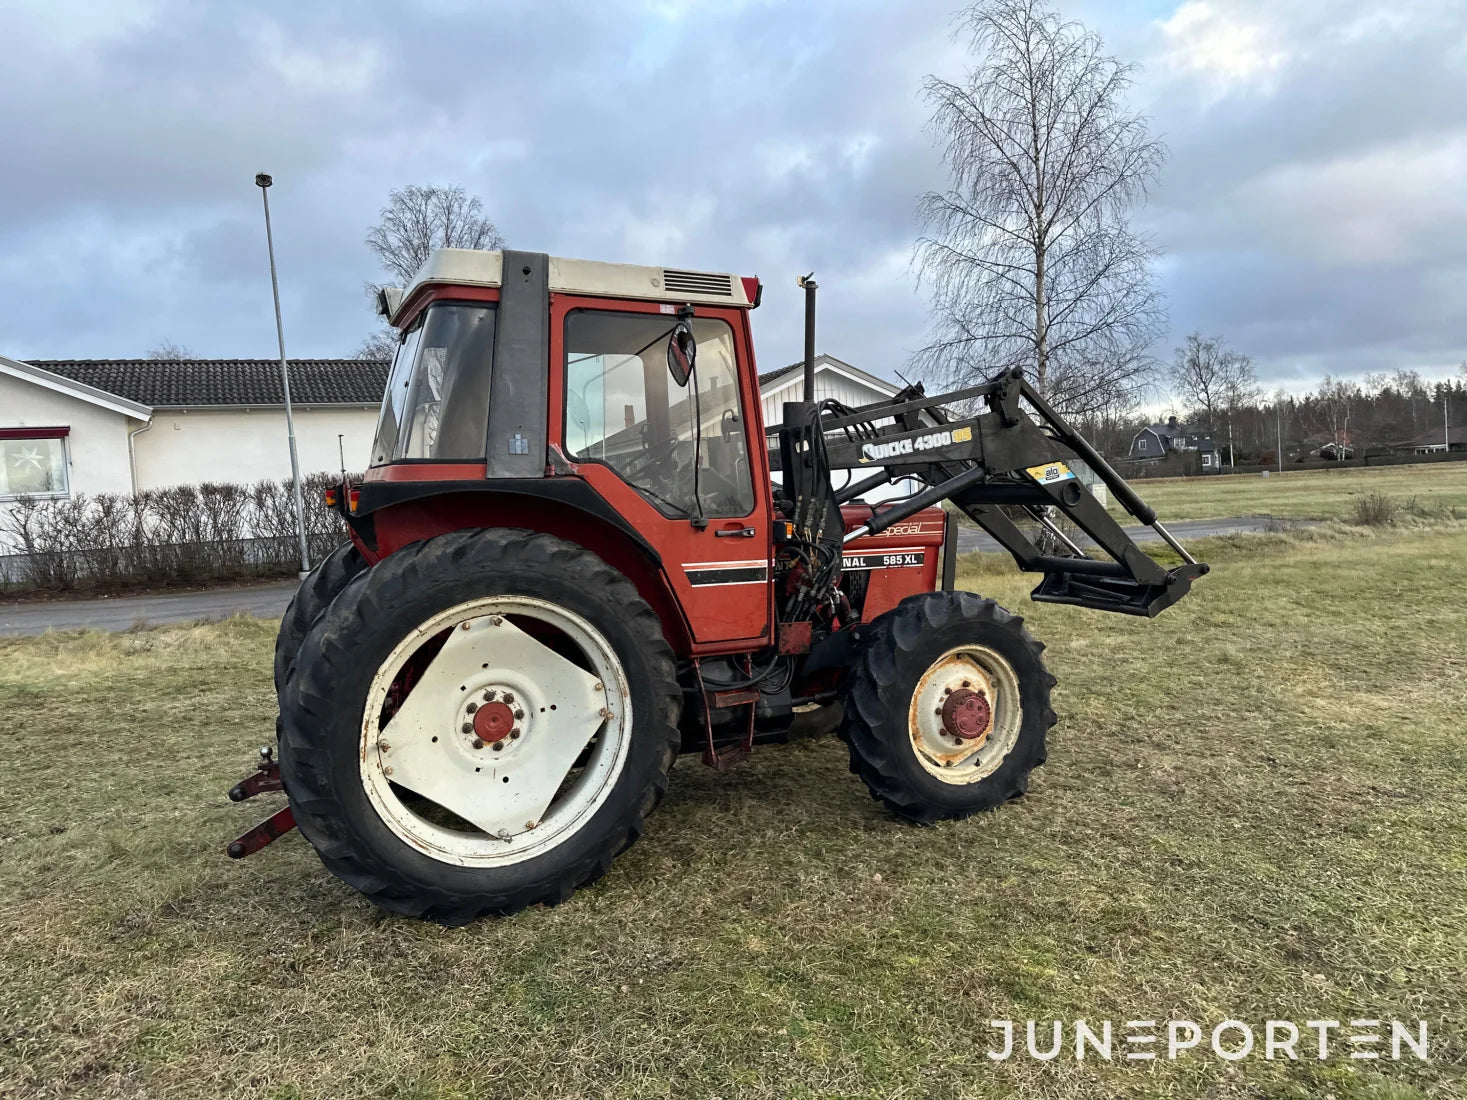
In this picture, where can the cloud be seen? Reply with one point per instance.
(1222, 48)
(1311, 209)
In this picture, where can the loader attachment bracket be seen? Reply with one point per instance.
(1117, 594)
(1011, 459)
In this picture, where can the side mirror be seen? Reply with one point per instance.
(682, 353)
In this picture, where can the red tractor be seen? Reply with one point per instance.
(570, 561)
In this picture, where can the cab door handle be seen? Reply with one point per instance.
(734, 532)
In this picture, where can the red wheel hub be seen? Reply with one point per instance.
(967, 714)
(493, 721)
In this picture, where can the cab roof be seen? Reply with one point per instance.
(472, 267)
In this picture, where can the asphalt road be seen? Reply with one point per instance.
(268, 600)
(120, 612)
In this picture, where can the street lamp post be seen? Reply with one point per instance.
(263, 182)
(1279, 416)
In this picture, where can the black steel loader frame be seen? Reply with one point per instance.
(1000, 458)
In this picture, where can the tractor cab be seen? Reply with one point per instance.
(625, 396)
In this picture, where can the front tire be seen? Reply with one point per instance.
(479, 723)
(947, 707)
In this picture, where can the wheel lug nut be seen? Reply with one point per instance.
(489, 696)
(468, 727)
(473, 707)
(518, 714)
(509, 697)
(514, 733)
(499, 746)
(967, 683)
(383, 746)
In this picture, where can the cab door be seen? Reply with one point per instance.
(684, 464)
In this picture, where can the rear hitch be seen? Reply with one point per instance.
(264, 779)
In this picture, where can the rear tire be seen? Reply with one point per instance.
(321, 586)
(377, 836)
(919, 661)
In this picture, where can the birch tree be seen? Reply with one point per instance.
(1029, 251)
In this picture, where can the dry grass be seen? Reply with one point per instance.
(1437, 487)
(1375, 510)
(1253, 808)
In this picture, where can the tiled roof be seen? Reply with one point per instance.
(165, 383)
(770, 375)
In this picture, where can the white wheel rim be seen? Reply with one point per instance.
(978, 671)
(515, 801)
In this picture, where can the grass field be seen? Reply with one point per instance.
(1254, 807)
(1304, 494)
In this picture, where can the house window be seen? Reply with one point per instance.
(1141, 445)
(33, 462)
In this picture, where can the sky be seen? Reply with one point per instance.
(1312, 213)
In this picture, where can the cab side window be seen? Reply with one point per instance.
(623, 408)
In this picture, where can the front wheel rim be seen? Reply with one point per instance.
(495, 730)
(965, 715)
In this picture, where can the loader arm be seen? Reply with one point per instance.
(998, 458)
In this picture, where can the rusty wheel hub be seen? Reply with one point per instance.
(967, 714)
(493, 722)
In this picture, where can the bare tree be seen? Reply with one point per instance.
(1240, 391)
(417, 220)
(382, 344)
(1029, 252)
(170, 351)
(1332, 408)
(1212, 381)
(1196, 376)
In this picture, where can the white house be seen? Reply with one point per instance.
(123, 425)
(837, 379)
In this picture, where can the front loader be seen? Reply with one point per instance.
(579, 551)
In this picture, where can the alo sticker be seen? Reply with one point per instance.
(1050, 472)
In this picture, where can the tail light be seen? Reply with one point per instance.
(352, 496)
(330, 497)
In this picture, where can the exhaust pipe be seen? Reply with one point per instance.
(811, 286)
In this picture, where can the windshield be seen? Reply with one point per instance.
(624, 409)
(437, 401)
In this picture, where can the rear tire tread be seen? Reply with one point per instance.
(313, 596)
